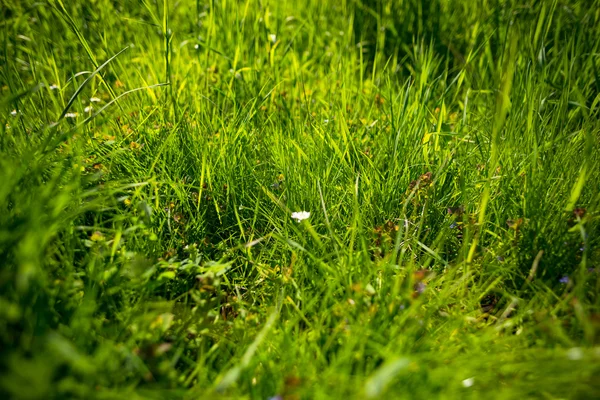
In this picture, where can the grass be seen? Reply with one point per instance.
(151, 155)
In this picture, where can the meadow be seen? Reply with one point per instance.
(310, 199)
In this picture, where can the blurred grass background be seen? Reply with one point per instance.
(153, 151)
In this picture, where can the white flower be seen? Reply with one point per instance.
(196, 46)
(468, 382)
(13, 113)
(88, 109)
(95, 100)
(71, 115)
(300, 215)
(273, 38)
(53, 87)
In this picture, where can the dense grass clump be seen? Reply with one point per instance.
(152, 154)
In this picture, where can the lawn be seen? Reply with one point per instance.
(299, 199)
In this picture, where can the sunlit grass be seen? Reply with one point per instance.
(312, 199)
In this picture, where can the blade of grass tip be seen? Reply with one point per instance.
(577, 189)
(433, 253)
(87, 80)
(502, 105)
(74, 97)
(534, 267)
(254, 242)
(162, 147)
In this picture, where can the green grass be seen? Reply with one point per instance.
(448, 152)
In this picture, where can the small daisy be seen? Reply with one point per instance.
(197, 46)
(468, 382)
(300, 215)
(273, 38)
(13, 113)
(71, 115)
(95, 100)
(88, 109)
(53, 87)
